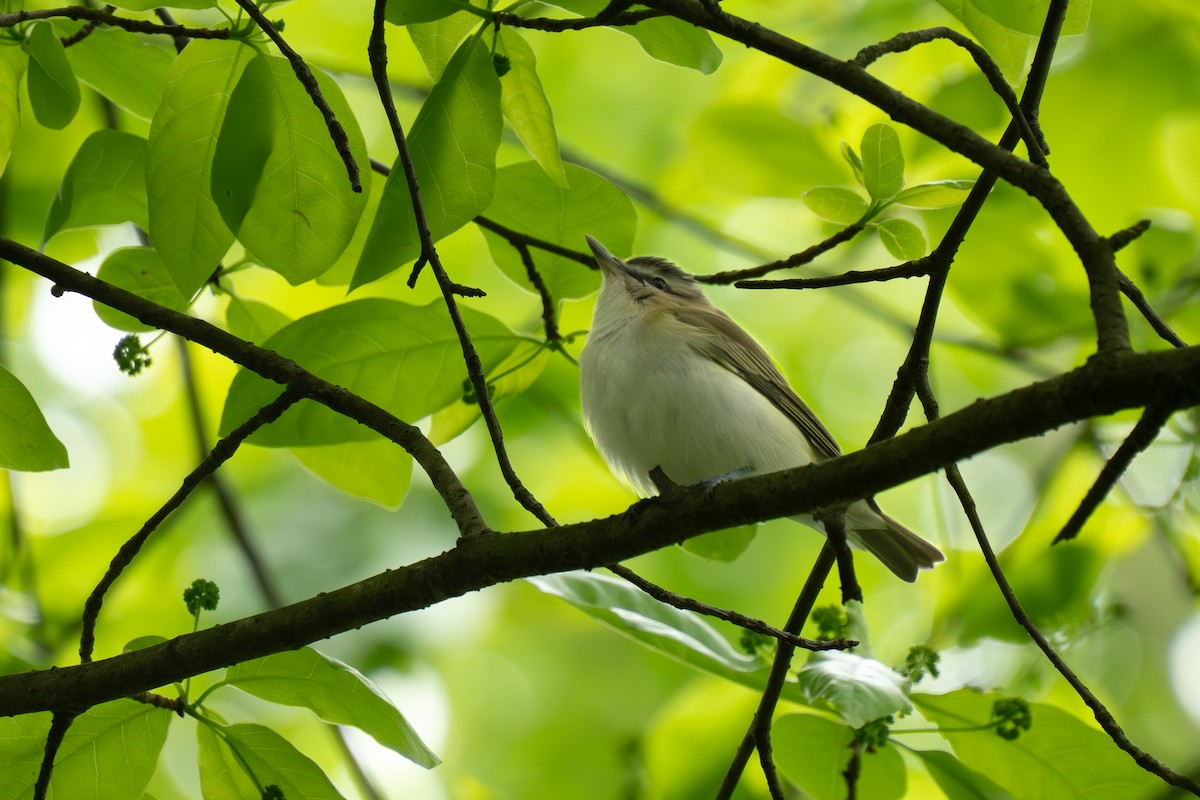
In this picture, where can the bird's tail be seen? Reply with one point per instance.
(900, 550)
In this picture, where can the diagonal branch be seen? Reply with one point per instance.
(11, 18)
(377, 53)
(269, 365)
(221, 452)
(910, 269)
(799, 259)
(336, 132)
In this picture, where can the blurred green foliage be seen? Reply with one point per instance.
(657, 139)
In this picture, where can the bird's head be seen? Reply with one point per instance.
(641, 286)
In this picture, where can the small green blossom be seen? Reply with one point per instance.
(921, 659)
(875, 733)
(1011, 715)
(273, 792)
(131, 356)
(201, 595)
(831, 622)
(753, 642)
(502, 63)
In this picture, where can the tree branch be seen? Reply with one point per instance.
(799, 259)
(11, 18)
(268, 364)
(559, 25)
(336, 132)
(910, 269)
(1101, 386)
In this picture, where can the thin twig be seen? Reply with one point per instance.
(1124, 237)
(1165, 332)
(1141, 437)
(234, 521)
(531, 271)
(377, 54)
(760, 726)
(576, 24)
(835, 528)
(741, 620)
(60, 723)
(305, 75)
(84, 32)
(220, 453)
(796, 260)
(910, 269)
(11, 18)
(1034, 140)
(516, 237)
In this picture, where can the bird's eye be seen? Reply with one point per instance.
(659, 283)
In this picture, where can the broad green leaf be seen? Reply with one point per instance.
(957, 780)
(437, 42)
(1060, 756)
(516, 374)
(406, 12)
(109, 753)
(150, 5)
(333, 691)
(664, 38)
(524, 104)
(378, 470)
(139, 270)
(277, 178)
(935, 194)
(453, 143)
(683, 635)
(13, 61)
(405, 358)
(724, 545)
(527, 200)
(185, 225)
(53, 89)
(813, 753)
(1029, 16)
(902, 238)
(859, 689)
(26, 441)
(105, 185)
(252, 320)
(836, 204)
(127, 69)
(226, 752)
(882, 162)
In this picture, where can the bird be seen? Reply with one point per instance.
(668, 380)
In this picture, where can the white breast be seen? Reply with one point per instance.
(652, 400)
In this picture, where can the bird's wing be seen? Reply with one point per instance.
(721, 340)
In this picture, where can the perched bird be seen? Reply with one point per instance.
(668, 380)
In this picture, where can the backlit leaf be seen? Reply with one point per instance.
(26, 441)
(524, 104)
(882, 162)
(902, 238)
(13, 61)
(859, 689)
(813, 753)
(104, 185)
(53, 88)
(139, 270)
(127, 69)
(229, 754)
(836, 204)
(935, 194)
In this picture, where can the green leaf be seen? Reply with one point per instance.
(1008, 30)
(957, 780)
(724, 546)
(185, 224)
(524, 104)
(664, 38)
(935, 194)
(527, 200)
(406, 12)
(13, 61)
(252, 320)
(854, 160)
(277, 178)
(813, 752)
(53, 89)
(26, 441)
(683, 635)
(836, 204)
(453, 143)
(333, 691)
(104, 185)
(123, 67)
(859, 689)
(1060, 756)
(882, 162)
(437, 42)
(109, 753)
(405, 358)
(378, 470)
(139, 270)
(1029, 16)
(228, 751)
(902, 238)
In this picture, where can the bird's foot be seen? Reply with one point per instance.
(710, 484)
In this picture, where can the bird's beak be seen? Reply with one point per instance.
(608, 262)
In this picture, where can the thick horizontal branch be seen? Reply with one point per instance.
(1102, 386)
(266, 363)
